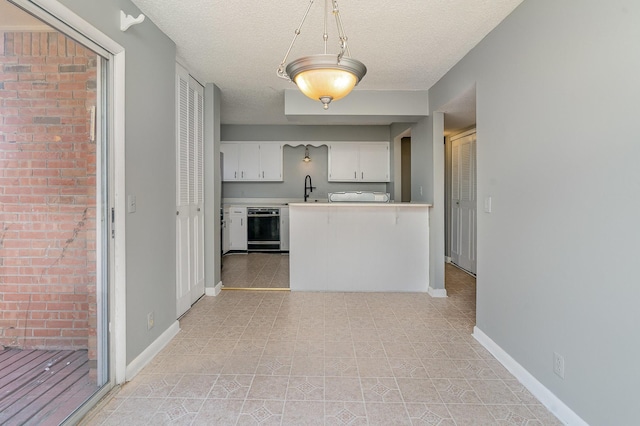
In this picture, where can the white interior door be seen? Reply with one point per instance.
(198, 180)
(463, 201)
(190, 192)
(183, 210)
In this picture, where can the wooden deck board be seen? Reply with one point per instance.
(25, 371)
(42, 387)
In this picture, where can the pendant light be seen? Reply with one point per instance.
(324, 77)
(306, 158)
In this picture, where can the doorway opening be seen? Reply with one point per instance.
(460, 122)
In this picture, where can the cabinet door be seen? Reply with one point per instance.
(374, 162)
(225, 231)
(343, 162)
(249, 164)
(284, 229)
(238, 229)
(230, 157)
(271, 161)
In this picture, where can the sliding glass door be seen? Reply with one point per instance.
(55, 222)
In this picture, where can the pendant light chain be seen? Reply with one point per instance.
(341, 34)
(344, 48)
(325, 36)
(281, 69)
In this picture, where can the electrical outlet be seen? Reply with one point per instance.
(558, 364)
(150, 320)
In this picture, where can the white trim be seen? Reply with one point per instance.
(214, 291)
(152, 350)
(437, 292)
(120, 276)
(541, 392)
(447, 259)
(70, 18)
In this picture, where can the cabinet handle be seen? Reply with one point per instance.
(362, 173)
(242, 175)
(235, 175)
(355, 175)
(241, 221)
(262, 175)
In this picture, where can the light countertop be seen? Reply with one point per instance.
(363, 204)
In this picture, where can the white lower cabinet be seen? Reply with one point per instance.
(225, 230)
(284, 228)
(237, 224)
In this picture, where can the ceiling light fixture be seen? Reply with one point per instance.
(324, 77)
(306, 158)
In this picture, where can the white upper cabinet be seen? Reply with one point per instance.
(230, 157)
(359, 162)
(343, 162)
(271, 162)
(251, 161)
(374, 162)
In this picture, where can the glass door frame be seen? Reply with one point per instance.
(110, 204)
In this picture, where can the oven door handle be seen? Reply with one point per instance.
(262, 215)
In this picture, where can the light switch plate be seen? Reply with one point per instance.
(487, 204)
(131, 203)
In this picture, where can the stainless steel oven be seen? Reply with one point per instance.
(263, 229)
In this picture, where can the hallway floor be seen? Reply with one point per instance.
(281, 358)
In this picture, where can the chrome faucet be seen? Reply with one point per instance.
(307, 187)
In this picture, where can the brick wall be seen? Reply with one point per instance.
(47, 193)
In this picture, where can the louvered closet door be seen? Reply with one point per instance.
(183, 211)
(463, 202)
(190, 191)
(197, 217)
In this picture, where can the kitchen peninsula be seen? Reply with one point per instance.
(359, 247)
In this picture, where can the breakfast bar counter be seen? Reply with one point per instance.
(359, 247)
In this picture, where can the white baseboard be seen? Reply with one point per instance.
(544, 395)
(447, 259)
(152, 350)
(214, 291)
(437, 292)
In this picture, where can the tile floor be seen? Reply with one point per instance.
(255, 270)
(280, 358)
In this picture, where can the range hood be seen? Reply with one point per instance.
(359, 197)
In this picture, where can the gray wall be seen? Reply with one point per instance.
(150, 167)
(557, 102)
(212, 182)
(294, 169)
(427, 186)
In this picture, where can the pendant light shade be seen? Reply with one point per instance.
(324, 77)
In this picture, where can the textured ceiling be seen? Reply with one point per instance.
(406, 45)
